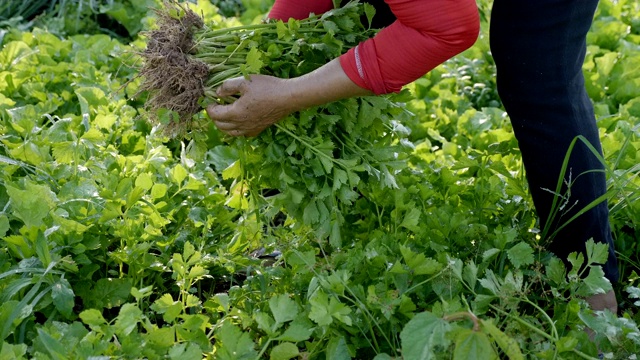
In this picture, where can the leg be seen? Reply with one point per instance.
(539, 48)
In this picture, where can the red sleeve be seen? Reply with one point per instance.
(425, 34)
(298, 9)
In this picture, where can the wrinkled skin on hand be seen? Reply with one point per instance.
(263, 101)
(266, 99)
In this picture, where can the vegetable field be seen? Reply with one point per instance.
(389, 227)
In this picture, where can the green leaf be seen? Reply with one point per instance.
(166, 306)
(597, 253)
(369, 11)
(128, 318)
(567, 343)
(411, 220)
(63, 297)
(419, 264)
(284, 351)
(178, 174)
(42, 249)
(106, 292)
(324, 310)
(64, 151)
(471, 345)
(299, 330)
(158, 190)
(489, 254)
(13, 352)
(235, 345)
(144, 181)
(4, 225)
(311, 214)
(576, 259)
(53, 346)
(89, 97)
(185, 351)
(594, 283)
(32, 204)
(163, 337)
(520, 255)
(423, 335)
(337, 349)
(13, 52)
(93, 318)
(232, 171)
(556, 271)
(283, 308)
(507, 344)
(253, 63)
(470, 274)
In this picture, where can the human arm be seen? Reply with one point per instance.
(266, 99)
(425, 34)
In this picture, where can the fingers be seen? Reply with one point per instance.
(234, 86)
(219, 112)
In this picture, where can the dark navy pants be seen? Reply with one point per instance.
(539, 48)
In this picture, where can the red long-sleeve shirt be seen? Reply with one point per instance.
(425, 34)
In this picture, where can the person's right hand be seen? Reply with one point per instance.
(263, 101)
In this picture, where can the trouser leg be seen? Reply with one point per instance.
(539, 48)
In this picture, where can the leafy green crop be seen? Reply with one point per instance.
(372, 228)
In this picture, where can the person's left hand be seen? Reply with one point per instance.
(263, 101)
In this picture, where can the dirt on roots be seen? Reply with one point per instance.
(174, 79)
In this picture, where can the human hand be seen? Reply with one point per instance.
(263, 101)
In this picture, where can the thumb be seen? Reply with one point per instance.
(233, 86)
(218, 112)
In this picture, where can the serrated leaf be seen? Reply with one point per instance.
(253, 63)
(470, 274)
(423, 335)
(597, 252)
(64, 151)
(419, 264)
(556, 271)
(411, 220)
(576, 259)
(490, 282)
(32, 204)
(128, 318)
(107, 293)
(166, 306)
(236, 345)
(232, 171)
(473, 345)
(520, 255)
(298, 330)
(594, 283)
(311, 215)
(369, 11)
(284, 351)
(325, 309)
(283, 308)
(507, 344)
(185, 351)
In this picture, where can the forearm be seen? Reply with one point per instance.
(324, 85)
